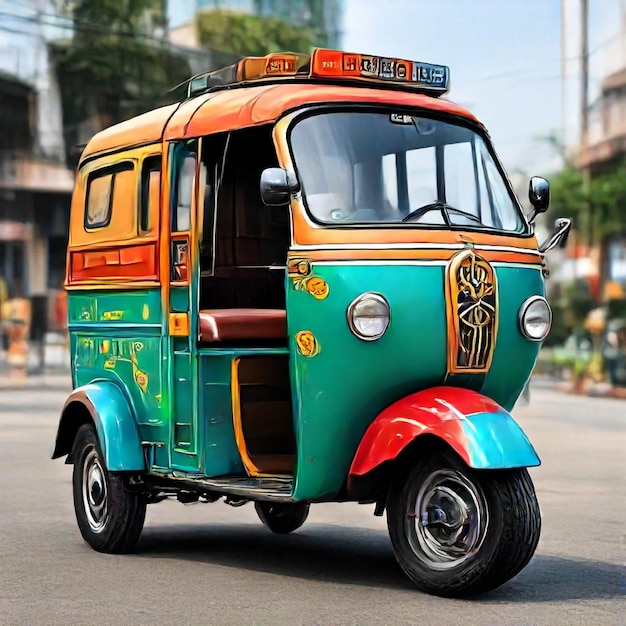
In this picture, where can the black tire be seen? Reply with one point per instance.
(110, 518)
(498, 537)
(281, 517)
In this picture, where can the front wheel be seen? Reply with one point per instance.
(457, 531)
(281, 517)
(110, 518)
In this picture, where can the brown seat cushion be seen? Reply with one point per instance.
(232, 324)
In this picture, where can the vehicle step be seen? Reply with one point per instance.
(278, 488)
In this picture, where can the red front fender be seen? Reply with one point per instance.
(478, 429)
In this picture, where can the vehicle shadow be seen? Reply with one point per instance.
(357, 556)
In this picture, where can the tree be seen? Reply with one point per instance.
(605, 198)
(250, 35)
(118, 63)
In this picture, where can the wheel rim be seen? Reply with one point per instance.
(447, 521)
(95, 492)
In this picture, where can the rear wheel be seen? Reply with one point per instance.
(457, 531)
(110, 518)
(281, 517)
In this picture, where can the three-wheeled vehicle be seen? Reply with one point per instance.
(309, 281)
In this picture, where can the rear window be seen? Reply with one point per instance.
(105, 188)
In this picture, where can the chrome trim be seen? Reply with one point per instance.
(95, 492)
(273, 489)
(559, 237)
(350, 314)
(522, 313)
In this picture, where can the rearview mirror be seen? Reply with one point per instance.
(277, 185)
(539, 196)
(562, 227)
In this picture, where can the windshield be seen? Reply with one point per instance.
(389, 168)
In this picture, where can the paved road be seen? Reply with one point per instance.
(211, 564)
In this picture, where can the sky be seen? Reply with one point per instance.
(504, 58)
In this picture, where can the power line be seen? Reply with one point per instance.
(577, 57)
(80, 26)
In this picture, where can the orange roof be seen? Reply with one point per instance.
(142, 129)
(230, 109)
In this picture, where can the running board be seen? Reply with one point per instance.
(274, 488)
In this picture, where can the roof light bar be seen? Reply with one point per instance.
(333, 63)
(327, 64)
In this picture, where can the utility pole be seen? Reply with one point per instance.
(584, 81)
(564, 74)
(586, 213)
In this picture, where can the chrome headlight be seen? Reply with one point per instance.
(368, 316)
(535, 318)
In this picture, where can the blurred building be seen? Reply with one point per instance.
(322, 17)
(35, 183)
(607, 131)
(606, 111)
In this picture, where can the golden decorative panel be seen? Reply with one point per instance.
(472, 315)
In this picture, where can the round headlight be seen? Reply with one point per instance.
(368, 316)
(535, 318)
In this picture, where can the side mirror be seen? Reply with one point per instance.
(562, 227)
(277, 185)
(539, 196)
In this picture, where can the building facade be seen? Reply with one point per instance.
(35, 182)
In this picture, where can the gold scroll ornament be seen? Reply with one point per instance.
(471, 313)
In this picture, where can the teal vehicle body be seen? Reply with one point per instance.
(316, 286)
(350, 377)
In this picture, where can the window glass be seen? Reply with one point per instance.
(368, 167)
(182, 216)
(461, 189)
(111, 199)
(390, 180)
(421, 169)
(150, 193)
(99, 201)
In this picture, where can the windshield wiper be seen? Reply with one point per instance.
(427, 208)
(444, 207)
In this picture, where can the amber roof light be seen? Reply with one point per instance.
(327, 65)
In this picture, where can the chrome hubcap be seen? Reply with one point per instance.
(449, 520)
(95, 494)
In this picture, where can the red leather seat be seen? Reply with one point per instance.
(233, 324)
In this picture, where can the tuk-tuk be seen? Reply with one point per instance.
(309, 281)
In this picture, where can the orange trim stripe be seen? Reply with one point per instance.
(251, 468)
(434, 254)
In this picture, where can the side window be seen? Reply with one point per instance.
(150, 193)
(109, 188)
(181, 218)
(98, 213)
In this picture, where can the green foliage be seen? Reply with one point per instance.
(114, 67)
(242, 34)
(598, 209)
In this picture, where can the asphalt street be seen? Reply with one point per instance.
(213, 564)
